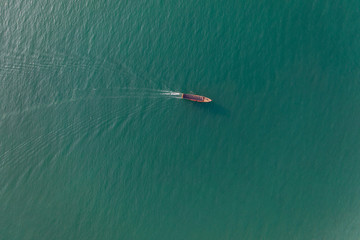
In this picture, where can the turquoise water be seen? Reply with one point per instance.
(94, 146)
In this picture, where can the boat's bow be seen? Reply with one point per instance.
(207, 99)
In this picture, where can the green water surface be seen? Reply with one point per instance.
(92, 146)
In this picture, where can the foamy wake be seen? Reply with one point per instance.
(170, 93)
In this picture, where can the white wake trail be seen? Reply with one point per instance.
(171, 93)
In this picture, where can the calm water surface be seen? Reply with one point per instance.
(94, 146)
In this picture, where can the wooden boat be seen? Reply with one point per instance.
(195, 98)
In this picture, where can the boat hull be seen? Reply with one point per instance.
(195, 98)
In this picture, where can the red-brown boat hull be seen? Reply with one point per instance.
(196, 98)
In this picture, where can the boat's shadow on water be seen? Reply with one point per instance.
(213, 108)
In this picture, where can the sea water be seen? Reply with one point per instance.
(95, 142)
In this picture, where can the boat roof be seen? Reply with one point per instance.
(194, 97)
